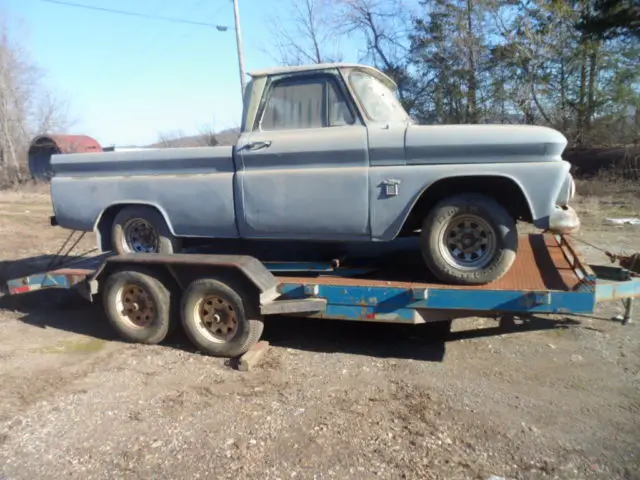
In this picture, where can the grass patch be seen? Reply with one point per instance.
(90, 345)
(607, 195)
(606, 185)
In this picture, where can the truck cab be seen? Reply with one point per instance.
(306, 149)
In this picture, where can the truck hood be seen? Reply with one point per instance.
(482, 144)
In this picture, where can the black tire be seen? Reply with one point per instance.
(497, 260)
(160, 322)
(163, 240)
(241, 337)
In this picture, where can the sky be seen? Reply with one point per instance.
(127, 79)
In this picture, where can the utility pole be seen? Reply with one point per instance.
(236, 13)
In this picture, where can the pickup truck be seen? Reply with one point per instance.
(327, 153)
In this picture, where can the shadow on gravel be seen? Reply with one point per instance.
(67, 311)
(61, 310)
(418, 342)
(10, 269)
(508, 325)
(425, 342)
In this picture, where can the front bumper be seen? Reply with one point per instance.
(564, 220)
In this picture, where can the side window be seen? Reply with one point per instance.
(305, 103)
(295, 105)
(339, 113)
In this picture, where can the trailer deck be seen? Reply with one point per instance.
(549, 277)
(547, 266)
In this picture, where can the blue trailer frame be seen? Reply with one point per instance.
(334, 291)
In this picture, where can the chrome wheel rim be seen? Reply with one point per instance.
(468, 242)
(135, 306)
(216, 318)
(140, 236)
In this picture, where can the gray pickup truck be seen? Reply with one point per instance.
(327, 153)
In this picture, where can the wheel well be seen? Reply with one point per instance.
(498, 188)
(106, 221)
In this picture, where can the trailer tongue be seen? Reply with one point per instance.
(221, 300)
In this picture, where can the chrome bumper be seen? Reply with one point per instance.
(564, 220)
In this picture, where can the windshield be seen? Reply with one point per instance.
(378, 100)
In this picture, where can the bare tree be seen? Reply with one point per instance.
(170, 139)
(16, 80)
(307, 36)
(26, 108)
(206, 137)
(385, 26)
(51, 114)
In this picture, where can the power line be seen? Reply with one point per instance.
(173, 20)
(133, 14)
(176, 42)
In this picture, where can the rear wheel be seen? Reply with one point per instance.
(138, 306)
(215, 318)
(469, 239)
(142, 229)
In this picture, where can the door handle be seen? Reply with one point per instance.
(253, 146)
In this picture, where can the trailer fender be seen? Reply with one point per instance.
(182, 265)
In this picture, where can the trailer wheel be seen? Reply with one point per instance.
(469, 239)
(140, 228)
(214, 317)
(138, 306)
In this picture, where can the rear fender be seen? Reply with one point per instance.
(102, 224)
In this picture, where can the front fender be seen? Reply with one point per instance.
(539, 183)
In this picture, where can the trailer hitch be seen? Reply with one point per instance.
(625, 318)
(631, 266)
(628, 262)
(631, 263)
(628, 269)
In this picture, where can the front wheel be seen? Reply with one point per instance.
(469, 239)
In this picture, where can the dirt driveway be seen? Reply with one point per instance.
(554, 398)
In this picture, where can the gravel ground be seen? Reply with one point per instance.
(550, 398)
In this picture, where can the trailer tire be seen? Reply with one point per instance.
(135, 221)
(147, 301)
(214, 317)
(494, 227)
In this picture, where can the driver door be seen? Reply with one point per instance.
(303, 171)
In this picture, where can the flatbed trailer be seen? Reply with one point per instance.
(221, 300)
